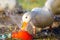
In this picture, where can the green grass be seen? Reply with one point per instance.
(29, 5)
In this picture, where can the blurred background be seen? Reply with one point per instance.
(29, 4)
(7, 25)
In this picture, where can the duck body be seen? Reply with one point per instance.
(43, 17)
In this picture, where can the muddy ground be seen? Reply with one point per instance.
(7, 25)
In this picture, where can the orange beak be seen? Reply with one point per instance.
(24, 25)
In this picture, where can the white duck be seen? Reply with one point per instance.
(7, 3)
(38, 17)
(9, 6)
(53, 5)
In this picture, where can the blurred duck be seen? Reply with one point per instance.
(38, 17)
(53, 5)
(10, 7)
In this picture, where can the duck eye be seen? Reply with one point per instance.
(25, 17)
